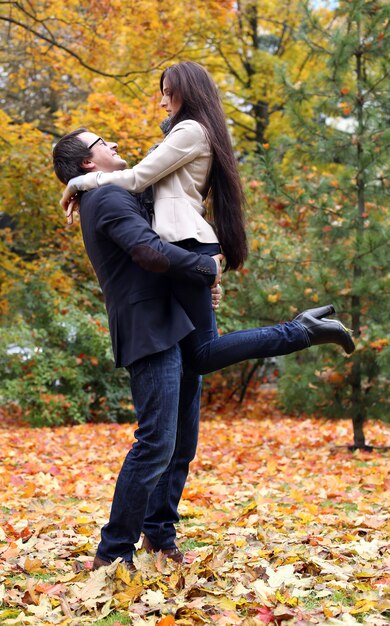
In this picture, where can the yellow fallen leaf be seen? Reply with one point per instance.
(363, 606)
(366, 574)
(123, 574)
(124, 598)
(87, 508)
(83, 548)
(73, 577)
(33, 565)
(226, 603)
(86, 531)
(328, 611)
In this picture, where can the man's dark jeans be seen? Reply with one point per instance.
(153, 475)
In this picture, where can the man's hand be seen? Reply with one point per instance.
(70, 200)
(216, 296)
(218, 258)
(216, 289)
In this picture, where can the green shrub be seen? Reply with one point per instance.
(56, 364)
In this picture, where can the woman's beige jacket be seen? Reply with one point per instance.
(178, 170)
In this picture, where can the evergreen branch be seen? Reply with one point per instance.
(372, 248)
(372, 88)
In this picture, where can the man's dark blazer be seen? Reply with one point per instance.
(134, 268)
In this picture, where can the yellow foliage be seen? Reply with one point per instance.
(100, 61)
(274, 297)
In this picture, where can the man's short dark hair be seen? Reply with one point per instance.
(68, 155)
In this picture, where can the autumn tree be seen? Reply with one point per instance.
(245, 44)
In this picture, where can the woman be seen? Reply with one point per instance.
(194, 166)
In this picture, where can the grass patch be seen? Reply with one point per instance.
(312, 602)
(327, 503)
(7, 613)
(192, 544)
(362, 618)
(345, 600)
(350, 507)
(120, 618)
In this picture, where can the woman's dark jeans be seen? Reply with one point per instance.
(205, 351)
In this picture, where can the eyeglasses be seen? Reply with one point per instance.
(95, 142)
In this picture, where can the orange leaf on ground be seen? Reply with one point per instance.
(168, 620)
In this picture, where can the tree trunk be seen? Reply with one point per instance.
(261, 115)
(358, 410)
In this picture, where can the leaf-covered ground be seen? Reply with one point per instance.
(281, 524)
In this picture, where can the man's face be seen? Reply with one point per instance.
(104, 156)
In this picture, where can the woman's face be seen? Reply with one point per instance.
(171, 104)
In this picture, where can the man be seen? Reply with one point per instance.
(134, 268)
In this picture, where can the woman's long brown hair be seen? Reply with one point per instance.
(193, 86)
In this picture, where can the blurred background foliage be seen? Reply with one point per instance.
(305, 88)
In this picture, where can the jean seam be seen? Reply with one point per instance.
(171, 471)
